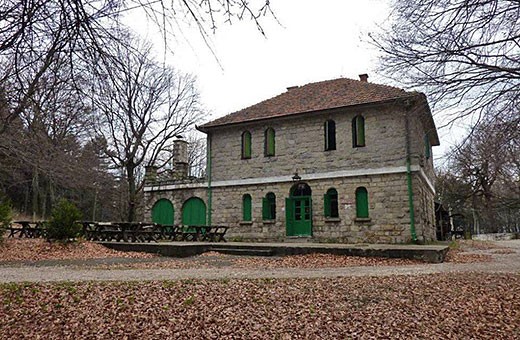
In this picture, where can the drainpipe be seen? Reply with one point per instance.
(208, 169)
(409, 174)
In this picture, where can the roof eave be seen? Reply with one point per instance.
(205, 127)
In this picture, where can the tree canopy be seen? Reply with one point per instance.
(464, 54)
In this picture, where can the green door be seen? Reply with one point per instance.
(298, 214)
(162, 212)
(194, 212)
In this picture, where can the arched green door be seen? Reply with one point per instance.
(194, 212)
(298, 211)
(162, 212)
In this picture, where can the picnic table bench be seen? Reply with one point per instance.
(194, 233)
(147, 232)
(120, 231)
(29, 229)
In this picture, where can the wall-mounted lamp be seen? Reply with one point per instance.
(296, 177)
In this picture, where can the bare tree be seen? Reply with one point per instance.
(483, 181)
(465, 54)
(35, 35)
(197, 155)
(141, 107)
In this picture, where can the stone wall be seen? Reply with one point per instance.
(300, 145)
(177, 197)
(388, 210)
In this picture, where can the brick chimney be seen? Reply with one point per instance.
(363, 77)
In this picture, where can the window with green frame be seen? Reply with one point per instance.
(246, 208)
(358, 131)
(246, 145)
(361, 202)
(427, 147)
(329, 130)
(330, 203)
(269, 207)
(269, 142)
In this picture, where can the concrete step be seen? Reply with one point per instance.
(244, 251)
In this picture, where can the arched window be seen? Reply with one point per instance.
(361, 202)
(246, 208)
(269, 144)
(358, 131)
(330, 203)
(246, 145)
(427, 147)
(330, 135)
(269, 207)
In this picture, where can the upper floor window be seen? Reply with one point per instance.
(246, 145)
(269, 207)
(330, 135)
(269, 142)
(246, 208)
(358, 131)
(427, 147)
(331, 203)
(361, 202)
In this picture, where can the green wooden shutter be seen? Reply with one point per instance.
(326, 205)
(289, 216)
(266, 214)
(361, 202)
(360, 131)
(246, 144)
(246, 208)
(269, 142)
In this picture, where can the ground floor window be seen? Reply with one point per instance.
(361, 202)
(331, 203)
(246, 208)
(269, 207)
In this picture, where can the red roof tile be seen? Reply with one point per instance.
(318, 96)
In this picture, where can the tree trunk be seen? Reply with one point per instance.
(35, 190)
(132, 195)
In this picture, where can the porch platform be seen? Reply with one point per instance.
(426, 253)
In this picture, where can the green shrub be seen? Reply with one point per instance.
(6, 214)
(62, 226)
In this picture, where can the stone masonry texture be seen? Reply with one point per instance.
(300, 148)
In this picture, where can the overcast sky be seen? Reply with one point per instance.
(313, 41)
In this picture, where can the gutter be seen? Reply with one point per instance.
(208, 166)
(409, 174)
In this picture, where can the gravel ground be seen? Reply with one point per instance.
(500, 257)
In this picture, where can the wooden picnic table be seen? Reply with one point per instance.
(194, 233)
(29, 229)
(147, 232)
(120, 231)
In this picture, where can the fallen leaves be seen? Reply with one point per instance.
(460, 305)
(13, 249)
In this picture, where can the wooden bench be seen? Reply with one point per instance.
(29, 229)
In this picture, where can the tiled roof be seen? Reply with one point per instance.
(318, 96)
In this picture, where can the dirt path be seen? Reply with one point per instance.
(503, 262)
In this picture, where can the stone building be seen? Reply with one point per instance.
(338, 160)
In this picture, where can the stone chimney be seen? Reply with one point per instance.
(363, 77)
(180, 159)
(150, 173)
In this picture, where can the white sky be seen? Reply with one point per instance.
(314, 41)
